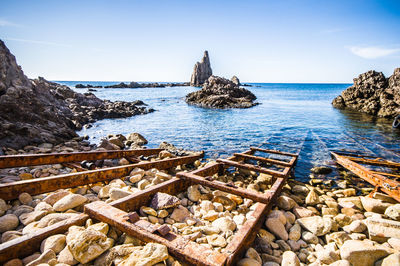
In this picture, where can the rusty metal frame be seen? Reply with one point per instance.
(9, 191)
(387, 185)
(115, 214)
(10, 161)
(29, 243)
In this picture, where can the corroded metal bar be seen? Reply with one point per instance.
(28, 244)
(251, 167)
(262, 159)
(255, 196)
(9, 161)
(177, 245)
(386, 174)
(246, 235)
(36, 186)
(274, 151)
(377, 162)
(390, 187)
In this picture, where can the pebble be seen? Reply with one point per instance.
(8, 222)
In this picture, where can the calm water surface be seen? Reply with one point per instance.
(289, 116)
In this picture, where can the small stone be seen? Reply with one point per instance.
(211, 215)
(14, 262)
(309, 237)
(394, 243)
(26, 176)
(362, 253)
(374, 205)
(340, 263)
(135, 178)
(164, 201)
(381, 229)
(224, 224)
(25, 198)
(56, 196)
(248, 262)
(329, 211)
(321, 170)
(343, 220)
(277, 228)
(54, 242)
(393, 212)
(289, 258)
(302, 212)
(283, 245)
(391, 260)
(226, 202)
(180, 214)
(118, 193)
(327, 256)
(317, 225)
(295, 232)
(216, 241)
(149, 211)
(45, 258)
(312, 198)
(8, 222)
(65, 256)
(285, 202)
(338, 237)
(150, 254)
(194, 193)
(162, 213)
(356, 226)
(142, 184)
(252, 254)
(68, 202)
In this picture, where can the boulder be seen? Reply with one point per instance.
(202, 71)
(362, 253)
(221, 93)
(372, 93)
(136, 138)
(317, 225)
(381, 229)
(86, 244)
(150, 254)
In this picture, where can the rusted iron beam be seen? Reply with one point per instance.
(10, 161)
(251, 167)
(274, 152)
(181, 247)
(386, 174)
(28, 244)
(262, 159)
(390, 187)
(255, 196)
(36, 186)
(376, 162)
(248, 232)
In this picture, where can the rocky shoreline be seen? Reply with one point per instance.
(372, 93)
(38, 111)
(320, 223)
(135, 85)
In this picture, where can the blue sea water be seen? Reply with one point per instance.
(287, 115)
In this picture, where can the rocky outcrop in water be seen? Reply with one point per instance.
(135, 85)
(372, 93)
(201, 72)
(38, 111)
(222, 93)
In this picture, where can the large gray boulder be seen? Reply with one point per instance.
(201, 72)
(372, 93)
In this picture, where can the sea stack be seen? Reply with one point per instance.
(201, 72)
(221, 93)
(372, 93)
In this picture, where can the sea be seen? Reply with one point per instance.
(289, 117)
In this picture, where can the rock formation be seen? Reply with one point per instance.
(37, 111)
(219, 92)
(372, 93)
(201, 72)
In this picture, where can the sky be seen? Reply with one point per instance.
(259, 41)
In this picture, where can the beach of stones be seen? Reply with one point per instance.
(316, 224)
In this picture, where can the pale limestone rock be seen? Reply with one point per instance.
(216, 240)
(116, 254)
(55, 196)
(338, 237)
(309, 237)
(362, 253)
(394, 243)
(68, 202)
(374, 205)
(48, 257)
(340, 263)
(224, 224)
(164, 201)
(317, 225)
(391, 260)
(393, 212)
(327, 256)
(10, 235)
(86, 244)
(65, 256)
(118, 193)
(356, 226)
(289, 258)
(383, 228)
(54, 242)
(312, 198)
(276, 227)
(295, 232)
(225, 201)
(150, 254)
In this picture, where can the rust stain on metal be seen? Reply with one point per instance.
(274, 152)
(390, 187)
(28, 244)
(262, 159)
(251, 167)
(36, 186)
(10, 161)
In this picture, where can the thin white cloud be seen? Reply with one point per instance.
(6, 23)
(372, 52)
(37, 42)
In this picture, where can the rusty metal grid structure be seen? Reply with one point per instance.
(387, 182)
(30, 243)
(118, 212)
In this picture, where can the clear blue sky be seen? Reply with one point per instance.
(259, 41)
